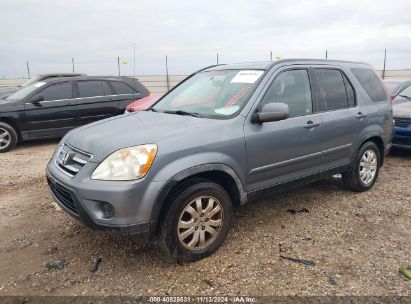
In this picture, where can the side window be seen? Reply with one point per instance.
(57, 91)
(93, 88)
(332, 89)
(370, 83)
(122, 88)
(350, 92)
(292, 88)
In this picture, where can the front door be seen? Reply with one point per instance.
(53, 116)
(285, 150)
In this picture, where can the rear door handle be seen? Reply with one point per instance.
(310, 124)
(361, 115)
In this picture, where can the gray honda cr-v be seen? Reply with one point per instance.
(221, 138)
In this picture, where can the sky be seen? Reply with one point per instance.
(48, 34)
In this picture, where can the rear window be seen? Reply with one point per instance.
(350, 92)
(122, 88)
(371, 84)
(332, 89)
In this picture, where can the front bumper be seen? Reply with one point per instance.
(402, 138)
(133, 202)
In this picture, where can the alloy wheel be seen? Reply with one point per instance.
(5, 138)
(200, 222)
(368, 167)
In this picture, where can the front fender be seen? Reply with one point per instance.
(192, 171)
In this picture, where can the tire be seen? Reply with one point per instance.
(8, 137)
(185, 234)
(368, 159)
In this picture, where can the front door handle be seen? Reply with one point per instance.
(310, 124)
(360, 115)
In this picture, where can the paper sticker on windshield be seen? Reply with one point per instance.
(227, 110)
(39, 84)
(247, 76)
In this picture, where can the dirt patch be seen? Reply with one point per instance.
(357, 242)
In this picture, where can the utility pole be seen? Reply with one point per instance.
(271, 55)
(385, 59)
(326, 54)
(72, 63)
(134, 61)
(28, 69)
(118, 65)
(217, 58)
(168, 80)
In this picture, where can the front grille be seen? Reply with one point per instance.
(70, 160)
(402, 122)
(63, 196)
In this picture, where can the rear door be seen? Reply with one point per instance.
(125, 94)
(289, 149)
(53, 116)
(95, 100)
(341, 116)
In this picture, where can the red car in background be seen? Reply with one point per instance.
(143, 103)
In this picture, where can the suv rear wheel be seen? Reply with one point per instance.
(197, 222)
(365, 168)
(8, 137)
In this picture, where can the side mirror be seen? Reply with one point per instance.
(36, 99)
(272, 112)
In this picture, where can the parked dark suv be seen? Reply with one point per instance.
(223, 137)
(51, 107)
(8, 90)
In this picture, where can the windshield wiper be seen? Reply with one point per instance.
(182, 112)
(405, 96)
(151, 109)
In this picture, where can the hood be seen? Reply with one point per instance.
(7, 91)
(402, 110)
(106, 136)
(10, 105)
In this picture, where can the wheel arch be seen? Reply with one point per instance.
(218, 173)
(14, 124)
(377, 139)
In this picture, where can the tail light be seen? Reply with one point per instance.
(130, 108)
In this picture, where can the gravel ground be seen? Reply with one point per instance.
(358, 241)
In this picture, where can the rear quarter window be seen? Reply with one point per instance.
(122, 88)
(371, 83)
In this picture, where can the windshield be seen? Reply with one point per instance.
(24, 92)
(403, 96)
(392, 86)
(215, 94)
(29, 82)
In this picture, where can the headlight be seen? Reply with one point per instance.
(126, 164)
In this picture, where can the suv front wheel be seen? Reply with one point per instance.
(365, 168)
(8, 137)
(197, 222)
